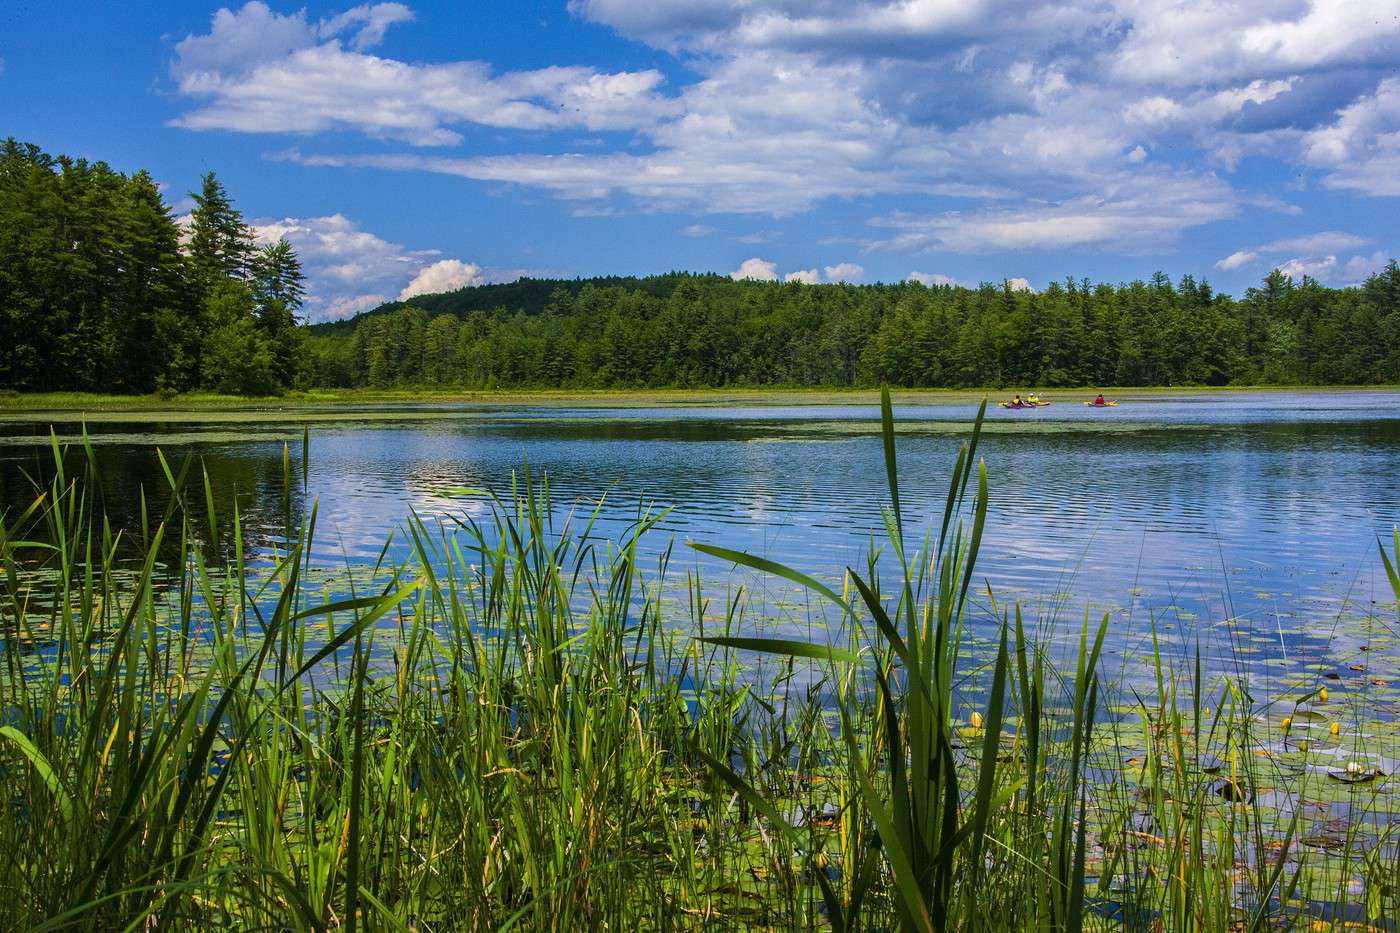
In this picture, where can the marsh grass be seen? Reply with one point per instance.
(514, 727)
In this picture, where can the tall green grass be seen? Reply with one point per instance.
(520, 725)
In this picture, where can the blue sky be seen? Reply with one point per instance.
(405, 148)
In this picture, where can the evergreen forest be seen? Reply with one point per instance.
(685, 330)
(104, 289)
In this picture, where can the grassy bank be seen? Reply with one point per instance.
(330, 402)
(516, 727)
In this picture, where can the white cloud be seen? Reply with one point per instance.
(445, 275)
(1358, 268)
(349, 270)
(1018, 284)
(372, 21)
(257, 71)
(1050, 123)
(1135, 213)
(1309, 245)
(239, 40)
(844, 272)
(698, 230)
(1152, 110)
(1236, 259)
(1362, 147)
(756, 268)
(1328, 241)
(340, 308)
(1183, 44)
(932, 278)
(806, 276)
(1320, 268)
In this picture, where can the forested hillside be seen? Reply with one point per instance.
(706, 330)
(100, 291)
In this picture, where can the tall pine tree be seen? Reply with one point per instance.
(278, 290)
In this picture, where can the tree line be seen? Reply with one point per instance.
(102, 290)
(684, 330)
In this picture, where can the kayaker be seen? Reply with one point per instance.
(1016, 402)
(1032, 399)
(1100, 400)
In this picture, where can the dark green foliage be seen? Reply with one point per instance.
(97, 294)
(681, 330)
(220, 243)
(238, 357)
(276, 280)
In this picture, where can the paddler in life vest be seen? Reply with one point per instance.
(1100, 400)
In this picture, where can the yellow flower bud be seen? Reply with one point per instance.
(1336, 728)
(1287, 723)
(1322, 695)
(976, 719)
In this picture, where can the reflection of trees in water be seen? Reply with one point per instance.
(271, 500)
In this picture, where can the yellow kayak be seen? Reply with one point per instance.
(1097, 405)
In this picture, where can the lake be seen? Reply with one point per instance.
(1247, 522)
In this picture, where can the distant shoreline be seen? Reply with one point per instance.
(31, 406)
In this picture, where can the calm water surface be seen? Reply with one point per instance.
(1264, 509)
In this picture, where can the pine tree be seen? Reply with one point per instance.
(278, 291)
(220, 244)
(219, 251)
(276, 277)
(152, 288)
(237, 358)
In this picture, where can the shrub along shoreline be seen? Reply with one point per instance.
(516, 727)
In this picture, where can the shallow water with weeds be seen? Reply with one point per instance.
(1260, 509)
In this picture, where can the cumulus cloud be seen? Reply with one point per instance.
(1019, 285)
(1038, 119)
(1236, 259)
(1186, 44)
(368, 22)
(1358, 268)
(757, 269)
(349, 270)
(445, 275)
(1321, 267)
(1315, 250)
(258, 71)
(932, 278)
(1361, 148)
(841, 272)
(337, 309)
(844, 272)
